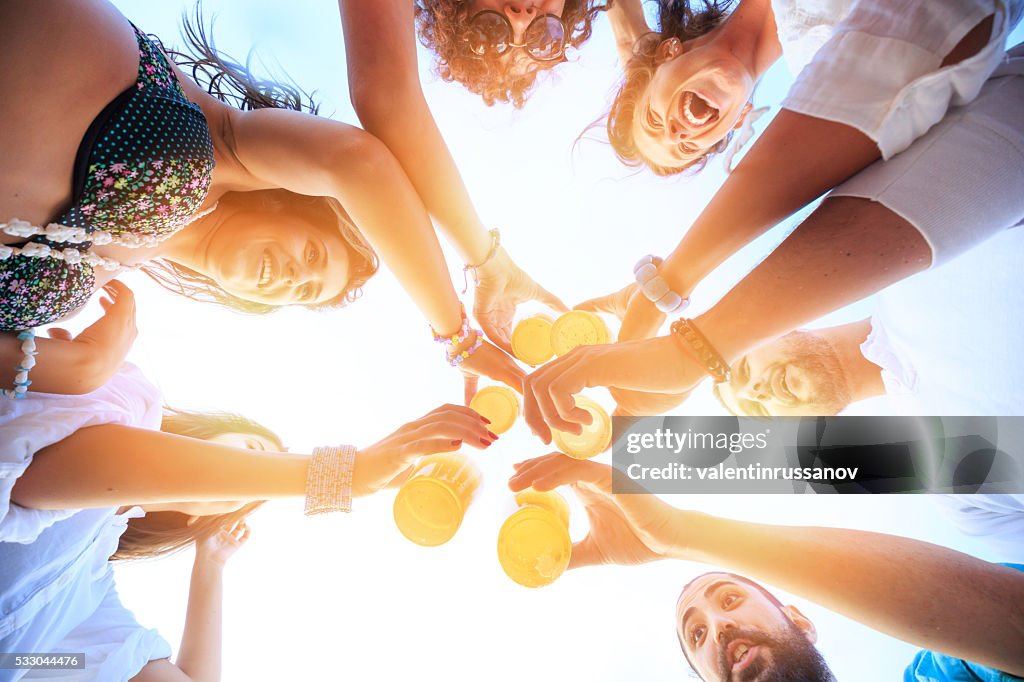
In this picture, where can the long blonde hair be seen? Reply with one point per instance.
(162, 533)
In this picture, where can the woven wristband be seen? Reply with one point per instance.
(329, 480)
(700, 349)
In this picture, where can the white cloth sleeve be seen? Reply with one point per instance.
(116, 647)
(42, 419)
(880, 71)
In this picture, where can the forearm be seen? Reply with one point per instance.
(201, 641)
(391, 216)
(106, 466)
(930, 596)
(797, 159)
(847, 250)
(386, 93)
(61, 366)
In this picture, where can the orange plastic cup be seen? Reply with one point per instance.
(595, 438)
(534, 547)
(430, 506)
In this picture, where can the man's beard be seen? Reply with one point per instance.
(793, 659)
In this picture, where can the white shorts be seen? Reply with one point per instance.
(963, 180)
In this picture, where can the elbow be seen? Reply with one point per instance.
(364, 162)
(381, 109)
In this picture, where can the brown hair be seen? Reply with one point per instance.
(162, 533)
(233, 83)
(442, 26)
(677, 19)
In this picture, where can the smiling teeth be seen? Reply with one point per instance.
(265, 271)
(687, 101)
(740, 653)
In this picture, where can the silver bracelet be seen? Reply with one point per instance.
(329, 480)
(655, 288)
(467, 268)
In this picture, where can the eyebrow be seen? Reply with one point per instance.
(708, 592)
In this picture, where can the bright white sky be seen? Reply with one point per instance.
(347, 597)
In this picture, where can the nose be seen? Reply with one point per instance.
(520, 14)
(675, 131)
(294, 275)
(755, 389)
(722, 626)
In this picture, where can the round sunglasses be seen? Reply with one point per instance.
(491, 32)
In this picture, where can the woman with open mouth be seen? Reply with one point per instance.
(909, 112)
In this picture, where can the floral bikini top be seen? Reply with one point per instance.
(142, 171)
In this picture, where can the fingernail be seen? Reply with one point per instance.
(493, 436)
(485, 420)
(456, 442)
(485, 441)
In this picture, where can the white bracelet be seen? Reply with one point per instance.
(655, 288)
(329, 480)
(28, 361)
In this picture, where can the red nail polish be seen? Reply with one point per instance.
(485, 420)
(485, 441)
(456, 442)
(493, 436)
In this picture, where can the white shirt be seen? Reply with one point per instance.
(878, 68)
(948, 340)
(57, 589)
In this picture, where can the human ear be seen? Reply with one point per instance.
(667, 50)
(802, 622)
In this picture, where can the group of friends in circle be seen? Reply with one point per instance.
(908, 115)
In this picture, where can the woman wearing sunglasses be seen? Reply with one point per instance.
(495, 48)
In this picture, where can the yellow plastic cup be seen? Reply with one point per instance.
(430, 506)
(533, 544)
(499, 404)
(531, 340)
(595, 438)
(577, 328)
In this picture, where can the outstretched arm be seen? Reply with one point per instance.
(930, 596)
(380, 53)
(384, 82)
(797, 159)
(108, 466)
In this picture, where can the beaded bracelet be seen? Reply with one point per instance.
(698, 347)
(467, 268)
(655, 288)
(329, 480)
(21, 382)
(458, 339)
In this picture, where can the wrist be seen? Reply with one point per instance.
(687, 529)
(496, 263)
(206, 565)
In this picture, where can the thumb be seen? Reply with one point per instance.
(585, 553)
(59, 334)
(550, 300)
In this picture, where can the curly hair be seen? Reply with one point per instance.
(676, 19)
(442, 26)
(162, 533)
(233, 83)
